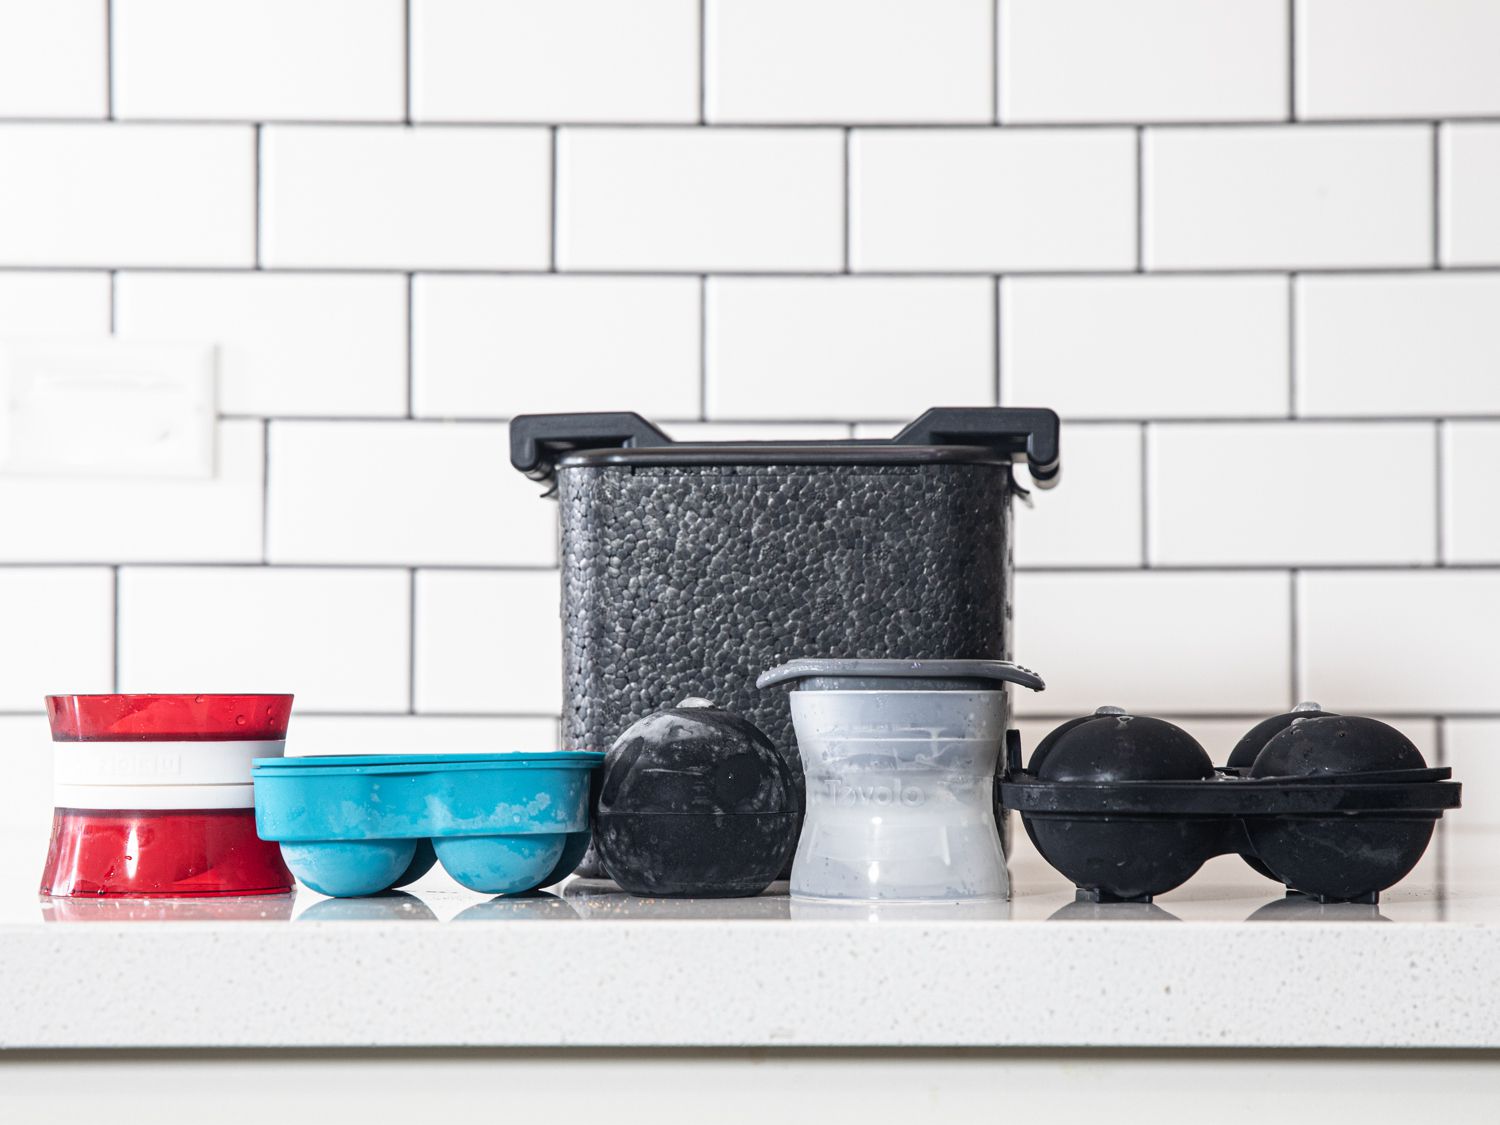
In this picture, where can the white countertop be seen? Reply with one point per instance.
(1223, 961)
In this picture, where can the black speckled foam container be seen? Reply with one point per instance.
(687, 570)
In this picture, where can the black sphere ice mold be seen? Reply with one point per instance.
(695, 802)
(1127, 807)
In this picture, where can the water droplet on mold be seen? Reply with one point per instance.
(239, 720)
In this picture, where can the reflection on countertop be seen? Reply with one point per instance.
(1224, 891)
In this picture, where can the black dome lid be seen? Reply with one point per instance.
(1337, 744)
(1242, 757)
(695, 758)
(1122, 747)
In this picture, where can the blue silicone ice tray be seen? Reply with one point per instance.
(498, 823)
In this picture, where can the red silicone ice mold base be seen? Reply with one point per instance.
(201, 852)
(168, 718)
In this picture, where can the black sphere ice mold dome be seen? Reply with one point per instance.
(695, 802)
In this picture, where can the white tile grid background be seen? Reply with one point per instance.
(1250, 251)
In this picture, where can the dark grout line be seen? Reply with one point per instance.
(406, 61)
(641, 272)
(998, 328)
(1156, 568)
(552, 204)
(702, 62)
(948, 125)
(653, 271)
(411, 642)
(1140, 201)
(1291, 345)
(265, 493)
(114, 658)
(1291, 60)
(109, 60)
(1204, 420)
(702, 348)
(411, 348)
(995, 61)
(257, 234)
(1437, 196)
(1145, 496)
(1440, 473)
(1294, 640)
(848, 199)
(1159, 568)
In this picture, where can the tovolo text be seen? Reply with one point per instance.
(835, 792)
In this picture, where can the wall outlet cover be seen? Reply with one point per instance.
(107, 408)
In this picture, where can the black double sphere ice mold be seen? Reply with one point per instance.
(1128, 807)
(687, 569)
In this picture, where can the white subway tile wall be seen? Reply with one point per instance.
(808, 347)
(259, 60)
(1249, 251)
(848, 61)
(992, 200)
(1469, 177)
(289, 343)
(1148, 60)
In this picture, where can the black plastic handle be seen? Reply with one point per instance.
(1012, 430)
(537, 441)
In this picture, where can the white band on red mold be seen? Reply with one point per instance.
(139, 766)
(130, 797)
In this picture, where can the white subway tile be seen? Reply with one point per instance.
(1145, 347)
(1397, 58)
(1148, 60)
(1471, 492)
(27, 811)
(53, 58)
(828, 348)
(1416, 640)
(586, 60)
(260, 59)
(417, 734)
(1093, 516)
(287, 343)
(1398, 344)
(501, 346)
(58, 636)
(987, 199)
(1154, 641)
(1288, 197)
(127, 195)
(338, 639)
(1292, 494)
(489, 642)
(141, 519)
(757, 431)
(1469, 188)
(700, 199)
(403, 492)
(430, 198)
(848, 60)
(1473, 750)
(54, 303)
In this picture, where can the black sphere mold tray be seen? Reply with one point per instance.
(1128, 807)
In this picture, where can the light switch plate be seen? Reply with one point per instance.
(106, 408)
